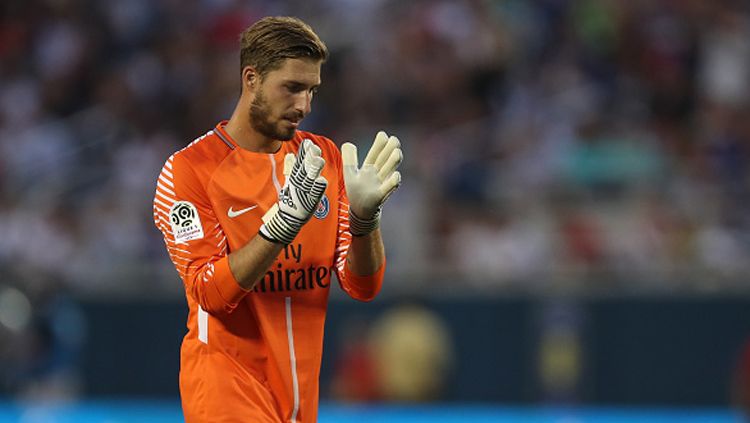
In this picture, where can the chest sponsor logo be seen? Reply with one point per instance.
(186, 222)
(323, 208)
(289, 278)
(293, 276)
(234, 213)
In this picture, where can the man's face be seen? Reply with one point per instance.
(283, 98)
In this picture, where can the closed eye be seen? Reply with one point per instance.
(295, 88)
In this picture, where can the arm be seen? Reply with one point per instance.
(360, 261)
(198, 247)
(361, 201)
(366, 254)
(194, 239)
(303, 188)
(249, 263)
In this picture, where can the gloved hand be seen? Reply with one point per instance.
(298, 199)
(369, 186)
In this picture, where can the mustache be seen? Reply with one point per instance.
(294, 116)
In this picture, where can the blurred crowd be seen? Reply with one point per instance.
(549, 144)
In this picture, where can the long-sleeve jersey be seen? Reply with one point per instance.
(252, 356)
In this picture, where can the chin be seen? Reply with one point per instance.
(285, 135)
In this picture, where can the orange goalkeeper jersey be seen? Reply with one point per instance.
(252, 356)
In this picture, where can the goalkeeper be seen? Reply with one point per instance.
(256, 217)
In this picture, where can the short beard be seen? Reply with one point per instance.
(260, 120)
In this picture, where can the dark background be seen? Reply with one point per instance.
(652, 351)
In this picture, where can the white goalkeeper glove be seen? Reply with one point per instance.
(298, 199)
(369, 186)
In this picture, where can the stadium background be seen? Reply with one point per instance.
(572, 231)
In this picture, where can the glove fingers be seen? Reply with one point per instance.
(350, 160)
(311, 148)
(313, 165)
(394, 160)
(381, 139)
(318, 188)
(288, 164)
(349, 155)
(314, 170)
(393, 143)
(302, 152)
(311, 200)
(298, 172)
(389, 186)
(314, 161)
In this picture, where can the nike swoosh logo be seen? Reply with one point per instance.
(235, 213)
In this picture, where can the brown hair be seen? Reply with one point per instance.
(271, 40)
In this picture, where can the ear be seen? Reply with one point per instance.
(250, 78)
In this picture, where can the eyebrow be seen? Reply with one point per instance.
(300, 83)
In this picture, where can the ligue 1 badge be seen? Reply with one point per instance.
(323, 208)
(186, 223)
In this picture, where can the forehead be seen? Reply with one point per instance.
(298, 70)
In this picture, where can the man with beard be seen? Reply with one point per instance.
(256, 216)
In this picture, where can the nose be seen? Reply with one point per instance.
(303, 103)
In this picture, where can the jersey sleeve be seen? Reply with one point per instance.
(362, 288)
(194, 238)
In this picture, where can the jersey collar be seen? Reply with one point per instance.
(224, 136)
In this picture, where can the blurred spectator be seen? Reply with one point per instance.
(560, 360)
(356, 377)
(404, 355)
(545, 141)
(412, 351)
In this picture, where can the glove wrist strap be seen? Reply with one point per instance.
(362, 227)
(280, 228)
(263, 232)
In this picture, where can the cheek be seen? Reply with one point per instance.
(279, 105)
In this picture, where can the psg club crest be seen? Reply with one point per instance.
(323, 208)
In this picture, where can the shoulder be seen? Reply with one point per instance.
(200, 158)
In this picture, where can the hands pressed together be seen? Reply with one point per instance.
(367, 187)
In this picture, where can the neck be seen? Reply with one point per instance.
(243, 133)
